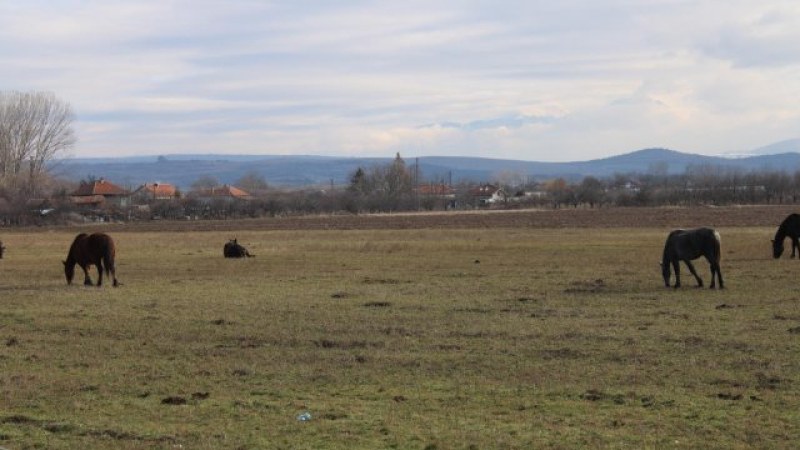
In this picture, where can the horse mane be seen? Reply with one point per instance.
(74, 248)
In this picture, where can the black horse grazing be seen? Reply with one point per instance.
(2, 248)
(234, 250)
(86, 250)
(789, 227)
(686, 245)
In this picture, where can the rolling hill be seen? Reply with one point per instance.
(297, 171)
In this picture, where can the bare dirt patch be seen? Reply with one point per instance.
(639, 217)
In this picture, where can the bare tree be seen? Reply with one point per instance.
(34, 128)
(205, 182)
(398, 179)
(253, 182)
(591, 191)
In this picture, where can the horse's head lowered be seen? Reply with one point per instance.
(666, 272)
(777, 248)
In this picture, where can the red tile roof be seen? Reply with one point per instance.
(222, 191)
(158, 190)
(99, 187)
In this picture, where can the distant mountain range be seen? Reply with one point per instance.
(297, 171)
(787, 146)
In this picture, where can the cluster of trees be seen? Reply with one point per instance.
(391, 188)
(381, 188)
(35, 127)
(699, 185)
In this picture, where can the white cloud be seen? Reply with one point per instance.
(564, 80)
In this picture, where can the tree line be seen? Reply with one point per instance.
(699, 185)
(394, 187)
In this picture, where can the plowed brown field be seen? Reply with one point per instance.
(728, 216)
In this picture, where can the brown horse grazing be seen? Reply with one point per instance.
(790, 227)
(686, 245)
(86, 250)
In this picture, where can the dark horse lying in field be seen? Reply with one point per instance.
(686, 245)
(86, 250)
(789, 227)
(234, 250)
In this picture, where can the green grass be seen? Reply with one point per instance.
(517, 338)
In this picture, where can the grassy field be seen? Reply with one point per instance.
(421, 339)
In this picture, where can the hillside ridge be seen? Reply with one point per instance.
(311, 170)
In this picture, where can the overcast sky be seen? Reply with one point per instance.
(534, 80)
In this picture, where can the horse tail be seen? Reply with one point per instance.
(108, 257)
(717, 242)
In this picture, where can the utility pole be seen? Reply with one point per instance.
(416, 182)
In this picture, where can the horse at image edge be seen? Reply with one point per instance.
(790, 227)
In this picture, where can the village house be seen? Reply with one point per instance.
(100, 193)
(150, 192)
(487, 194)
(220, 193)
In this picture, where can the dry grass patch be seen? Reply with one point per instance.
(515, 338)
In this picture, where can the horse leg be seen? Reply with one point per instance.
(86, 280)
(99, 265)
(714, 276)
(715, 273)
(719, 275)
(795, 245)
(694, 272)
(676, 267)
